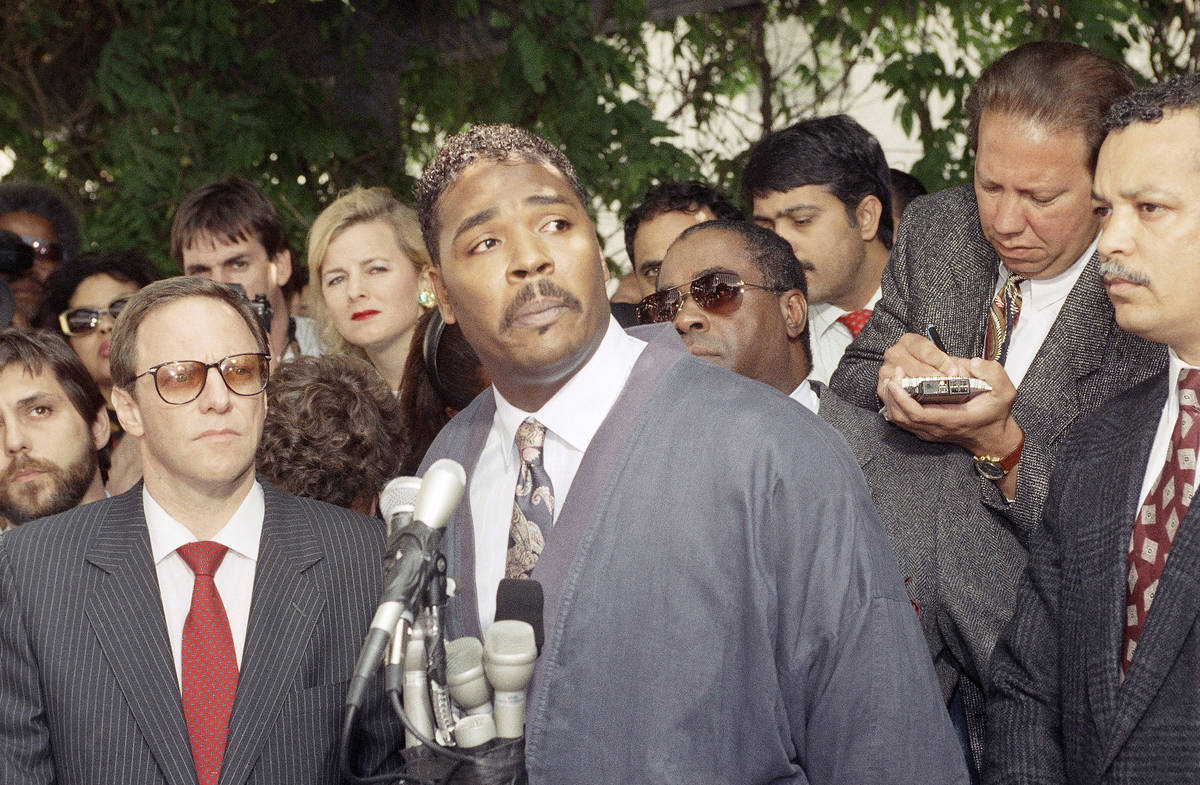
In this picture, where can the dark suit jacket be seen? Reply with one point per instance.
(1057, 711)
(961, 559)
(943, 272)
(89, 693)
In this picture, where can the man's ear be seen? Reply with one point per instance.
(869, 213)
(795, 312)
(101, 429)
(129, 414)
(439, 288)
(282, 262)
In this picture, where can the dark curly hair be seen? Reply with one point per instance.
(1148, 104)
(333, 430)
(44, 201)
(686, 196)
(126, 266)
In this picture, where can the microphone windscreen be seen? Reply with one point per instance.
(522, 599)
(398, 495)
(441, 488)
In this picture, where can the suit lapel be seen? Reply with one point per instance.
(975, 276)
(283, 613)
(1048, 399)
(126, 614)
(1171, 618)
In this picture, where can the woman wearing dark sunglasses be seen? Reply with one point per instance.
(80, 301)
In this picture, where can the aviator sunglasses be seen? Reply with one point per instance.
(717, 293)
(181, 381)
(84, 319)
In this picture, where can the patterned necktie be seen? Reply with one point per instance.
(1164, 508)
(210, 674)
(855, 321)
(533, 503)
(1002, 318)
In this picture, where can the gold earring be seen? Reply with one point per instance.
(426, 298)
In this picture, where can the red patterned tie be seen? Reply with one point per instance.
(210, 674)
(1002, 318)
(855, 321)
(1161, 513)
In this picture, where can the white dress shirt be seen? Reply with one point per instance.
(806, 396)
(1041, 301)
(1166, 426)
(829, 337)
(572, 417)
(234, 578)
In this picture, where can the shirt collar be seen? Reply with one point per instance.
(575, 412)
(822, 316)
(241, 534)
(1174, 367)
(1046, 293)
(806, 396)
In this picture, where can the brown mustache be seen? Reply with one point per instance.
(22, 464)
(532, 291)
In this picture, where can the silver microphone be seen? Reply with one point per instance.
(509, 652)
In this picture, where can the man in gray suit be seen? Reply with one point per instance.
(960, 560)
(1013, 256)
(721, 603)
(203, 624)
(1095, 681)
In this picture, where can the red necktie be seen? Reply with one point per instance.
(855, 321)
(1161, 513)
(209, 666)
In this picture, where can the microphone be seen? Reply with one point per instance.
(521, 599)
(396, 502)
(416, 686)
(474, 730)
(509, 651)
(417, 542)
(464, 676)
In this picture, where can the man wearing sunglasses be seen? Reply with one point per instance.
(721, 604)
(203, 624)
(228, 231)
(54, 423)
(735, 293)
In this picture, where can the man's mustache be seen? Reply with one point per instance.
(1118, 270)
(532, 291)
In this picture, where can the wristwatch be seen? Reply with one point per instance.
(995, 469)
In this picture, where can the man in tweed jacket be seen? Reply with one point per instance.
(1095, 680)
(98, 677)
(1035, 125)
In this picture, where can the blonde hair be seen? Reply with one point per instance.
(355, 206)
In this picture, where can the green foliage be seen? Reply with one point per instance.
(127, 104)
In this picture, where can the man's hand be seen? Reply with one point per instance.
(914, 355)
(982, 425)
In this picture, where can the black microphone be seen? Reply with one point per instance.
(521, 599)
(441, 489)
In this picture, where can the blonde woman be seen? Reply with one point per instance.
(367, 260)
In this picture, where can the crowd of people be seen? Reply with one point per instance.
(769, 551)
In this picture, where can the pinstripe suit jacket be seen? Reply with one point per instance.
(1057, 711)
(943, 272)
(88, 692)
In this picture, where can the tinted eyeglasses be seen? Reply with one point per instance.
(82, 320)
(51, 252)
(718, 293)
(181, 381)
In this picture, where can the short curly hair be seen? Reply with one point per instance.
(688, 196)
(333, 430)
(37, 199)
(482, 143)
(1149, 104)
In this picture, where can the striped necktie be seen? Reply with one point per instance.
(1002, 318)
